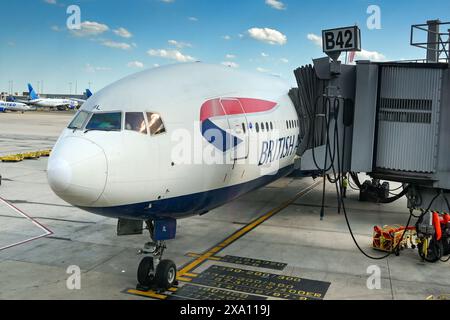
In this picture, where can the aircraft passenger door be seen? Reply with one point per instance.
(238, 126)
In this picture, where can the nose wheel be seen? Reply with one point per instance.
(154, 272)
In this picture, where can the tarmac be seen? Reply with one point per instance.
(269, 244)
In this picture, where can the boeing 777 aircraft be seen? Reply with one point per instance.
(131, 152)
(14, 106)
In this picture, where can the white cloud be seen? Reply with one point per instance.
(315, 39)
(90, 28)
(264, 55)
(122, 32)
(116, 45)
(276, 4)
(271, 36)
(230, 64)
(370, 55)
(135, 64)
(170, 54)
(51, 1)
(56, 28)
(363, 55)
(284, 60)
(156, 65)
(167, 1)
(180, 44)
(262, 70)
(230, 56)
(193, 19)
(227, 37)
(92, 69)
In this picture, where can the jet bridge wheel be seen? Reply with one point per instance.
(146, 272)
(166, 274)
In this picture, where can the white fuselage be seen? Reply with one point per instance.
(54, 103)
(14, 106)
(184, 170)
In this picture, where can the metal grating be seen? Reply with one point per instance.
(406, 110)
(408, 118)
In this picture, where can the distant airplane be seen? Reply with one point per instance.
(117, 157)
(88, 94)
(60, 104)
(14, 106)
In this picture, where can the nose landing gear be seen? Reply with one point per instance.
(153, 271)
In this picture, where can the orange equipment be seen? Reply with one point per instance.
(389, 238)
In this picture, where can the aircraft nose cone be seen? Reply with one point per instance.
(77, 171)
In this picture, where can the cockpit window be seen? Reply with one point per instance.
(155, 124)
(105, 121)
(79, 121)
(135, 121)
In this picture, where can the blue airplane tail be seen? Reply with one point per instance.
(33, 94)
(88, 93)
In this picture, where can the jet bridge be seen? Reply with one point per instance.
(390, 120)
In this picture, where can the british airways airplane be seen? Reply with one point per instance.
(174, 142)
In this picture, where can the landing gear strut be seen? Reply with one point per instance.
(153, 271)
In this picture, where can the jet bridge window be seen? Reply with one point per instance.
(105, 122)
(155, 124)
(79, 121)
(135, 121)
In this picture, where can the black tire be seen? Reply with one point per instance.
(166, 274)
(435, 251)
(145, 272)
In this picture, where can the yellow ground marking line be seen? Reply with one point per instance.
(196, 255)
(242, 232)
(184, 279)
(191, 275)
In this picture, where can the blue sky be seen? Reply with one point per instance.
(118, 38)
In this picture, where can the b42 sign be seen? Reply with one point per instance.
(341, 39)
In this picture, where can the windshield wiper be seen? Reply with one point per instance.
(105, 130)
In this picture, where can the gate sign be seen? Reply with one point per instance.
(341, 40)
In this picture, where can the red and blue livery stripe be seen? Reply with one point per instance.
(228, 107)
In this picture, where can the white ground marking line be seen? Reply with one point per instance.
(47, 232)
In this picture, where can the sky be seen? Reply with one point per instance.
(118, 38)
